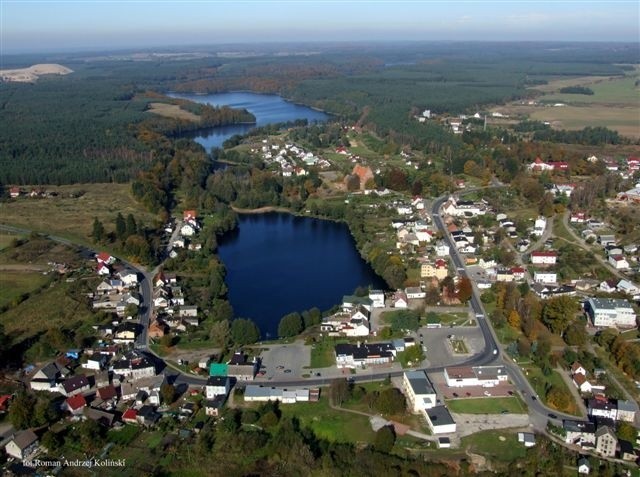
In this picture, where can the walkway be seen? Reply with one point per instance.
(574, 391)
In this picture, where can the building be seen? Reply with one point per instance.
(418, 391)
(212, 407)
(266, 393)
(610, 312)
(527, 438)
(414, 292)
(583, 466)
(606, 441)
(74, 385)
(217, 386)
(618, 262)
(544, 258)
(626, 451)
(22, 445)
(74, 404)
(539, 226)
(442, 249)
(438, 269)
(440, 420)
(360, 355)
(485, 376)
(504, 275)
(626, 411)
(400, 300)
(377, 298)
(582, 383)
(134, 366)
(580, 433)
(47, 377)
(600, 406)
(545, 277)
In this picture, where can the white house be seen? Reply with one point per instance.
(618, 262)
(545, 277)
(400, 300)
(582, 383)
(377, 297)
(418, 390)
(539, 226)
(600, 406)
(583, 464)
(442, 249)
(22, 445)
(217, 386)
(610, 312)
(414, 292)
(129, 278)
(544, 258)
(187, 230)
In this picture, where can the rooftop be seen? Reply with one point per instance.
(440, 416)
(419, 382)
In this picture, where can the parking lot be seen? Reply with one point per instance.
(439, 350)
(278, 359)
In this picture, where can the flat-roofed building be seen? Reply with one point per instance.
(440, 420)
(610, 312)
(418, 390)
(485, 376)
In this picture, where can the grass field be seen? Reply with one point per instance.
(487, 405)
(172, 111)
(614, 90)
(6, 239)
(330, 424)
(14, 284)
(323, 354)
(73, 217)
(498, 445)
(538, 381)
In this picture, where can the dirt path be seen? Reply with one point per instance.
(261, 210)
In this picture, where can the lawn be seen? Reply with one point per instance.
(330, 424)
(323, 354)
(15, 284)
(493, 405)
(459, 347)
(498, 445)
(454, 318)
(6, 239)
(539, 382)
(72, 217)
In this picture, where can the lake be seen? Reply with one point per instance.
(279, 263)
(267, 108)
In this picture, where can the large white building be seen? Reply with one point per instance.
(544, 258)
(439, 420)
(418, 391)
(485, 376)
(286, 396)
(545, 277)
(611, 312)
(217, 386)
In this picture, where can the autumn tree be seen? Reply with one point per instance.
(514, 319)
(558, 312)
(465, 289)
(557, 398)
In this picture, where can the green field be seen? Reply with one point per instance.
(6, 239)
(15, 284)
(323, 354)
(330, 424)
(621, 91)
(499, 445)
(73, 217)
(487, 405)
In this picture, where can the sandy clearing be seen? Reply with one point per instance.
(32, 73)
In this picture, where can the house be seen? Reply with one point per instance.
(581, 433)
(610, 312)
(418, 390)
(74, 404)
(577, 368)
(518, 273)
(600, 406)
(544, 258)
(527, 438)
(626, 410)
(606, 441)
(440, 420)
(583, 466)
(130, 416)
(212, 407)
(105, 258)
(377, 298)
(190, 217)
(545, 277)
(438, 269)
(266, 393)
(606, 240)
(618, 262)
(485, 376)
(364, 174)
(578, 218)
(188, 310)
(5, 399)
(74, 385)
(128, 278)
(103, 270)
(582, 383)
(157, 329)
(442, 249)
(46, 378)
(414, 292)
(22, 445)
(134, 366)
(103, 418)
(625, 286)
(626, 451)
(187, 230)
(400, 300)
(539, 226)
(217, 386)
(350, 302)
(107, 393)
(360, 355)
(95, 362)
(243, 372)
(14, 192)
(504, 275)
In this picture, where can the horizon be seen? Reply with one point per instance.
(42, 27)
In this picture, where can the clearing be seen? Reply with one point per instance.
(172, 111)
(32, 73)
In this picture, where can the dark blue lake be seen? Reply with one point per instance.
(267, 108)
(278, 263)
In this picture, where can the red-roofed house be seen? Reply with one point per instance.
(104, 257)
(4, 402)
(577, 368)
(633, 163)
(581, 382)
(619, 262)
(342, 150)
(103, 269)
(107, 393)
(518, 273)
(130, 416)
(559, 166)
(578, 217)
(75, 404)
(14, 192)
(364, 173)
(189, 215)
(544, 258)
(540, 165)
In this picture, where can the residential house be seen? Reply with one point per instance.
(126, 332)
(105, 258)
(130, 416)
(539, 165)
(626, 451)
(518, 273)
(134, 366)
(22, 445)
(377, 298)
(414, 292)
(626, 410)
(610, 312)
(107, 393)
(618, 262)
(349, 302)
(581, 433)
(583, 466)
(47, 377)
(95, 362)
(266, 393)
(539, 226)
(77, 384)
(129, 278)
(442, 249)
(605, 240)
(545, 277)
(606, 441)
(418, 390)
(400, 300)
(544, 257)
(241, 369)
(440, 420)
(103, 418)
(217, 386)
(187, 230)
(582, 383)
(577, 368)
(600, 406)
(504, 275)
(74, 404)
(578, 218)
(212, 407)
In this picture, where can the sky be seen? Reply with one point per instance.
(42, 26)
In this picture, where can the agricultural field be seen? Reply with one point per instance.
(72, 212)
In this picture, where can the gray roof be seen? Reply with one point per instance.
(440, 416)
(609, 303)
(579, 426)
(420, 382)
(627, 406)
(24, 439)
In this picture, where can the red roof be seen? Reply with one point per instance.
(130, 415)
(189, 214)
(518, 270)
(103, 257)
(440, 263)
(4, 400)
(544, 254)
(107, 392)
(76, 402)
(559, 165)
